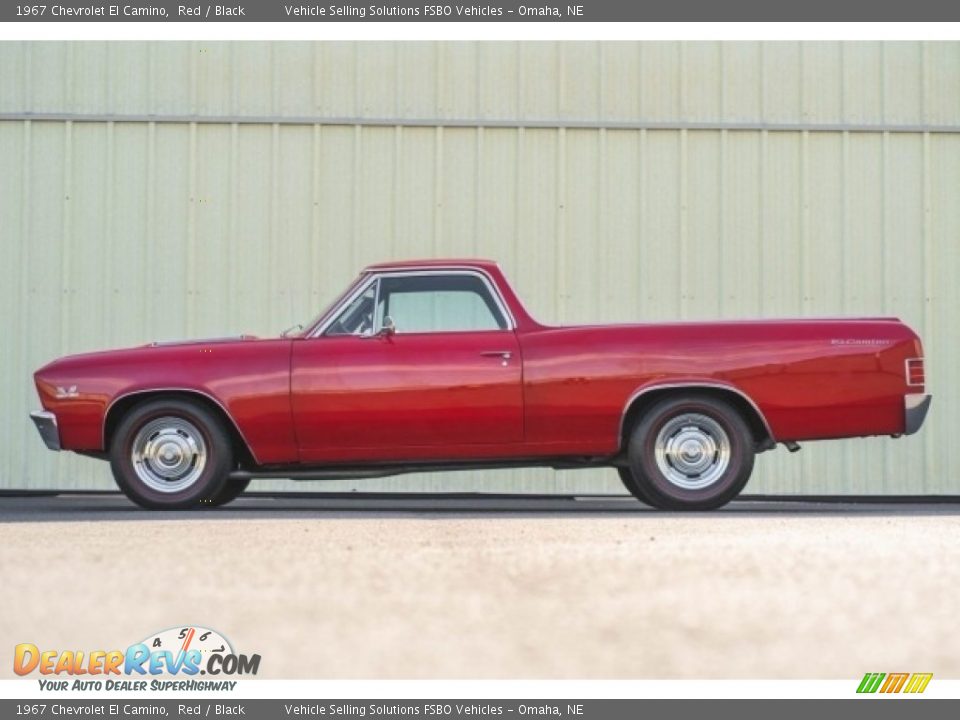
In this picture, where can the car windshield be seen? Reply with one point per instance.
(305, 329)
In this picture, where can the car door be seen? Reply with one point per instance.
(416, 365)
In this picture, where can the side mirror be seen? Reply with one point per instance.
(389, 327)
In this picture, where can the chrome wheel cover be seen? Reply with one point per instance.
(169, 454)
(692, 451)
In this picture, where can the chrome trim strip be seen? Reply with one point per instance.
(376, 275)
(190, 391)
(199, 341)
(475, 122)
(46, 423)
(915, 407)
(712, 385)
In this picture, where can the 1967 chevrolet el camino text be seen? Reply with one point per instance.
(436, 365)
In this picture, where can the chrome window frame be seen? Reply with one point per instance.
(377, 275)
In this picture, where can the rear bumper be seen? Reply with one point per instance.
(46, 423)
(915, 408)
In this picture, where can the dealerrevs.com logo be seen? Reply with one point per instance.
(888, 683)
(184, 652)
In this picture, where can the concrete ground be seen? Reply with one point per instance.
(495, 588)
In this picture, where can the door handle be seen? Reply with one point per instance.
(504, 355)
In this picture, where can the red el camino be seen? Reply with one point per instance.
(436, 365)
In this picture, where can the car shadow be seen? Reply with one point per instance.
(97, 507)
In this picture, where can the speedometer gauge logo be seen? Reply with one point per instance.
(202, 648)
(184, 639)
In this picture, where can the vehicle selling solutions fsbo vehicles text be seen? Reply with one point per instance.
(392, 11)
(425, 11)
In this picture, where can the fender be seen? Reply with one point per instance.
(181, 390)
(691, 384)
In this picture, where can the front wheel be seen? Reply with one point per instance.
(231, 490)
(171, 455)
(690, 452)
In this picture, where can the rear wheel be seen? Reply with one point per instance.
(171, 455)
(690, 452)
(626, 477)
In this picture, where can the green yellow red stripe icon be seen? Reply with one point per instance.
(888, 683)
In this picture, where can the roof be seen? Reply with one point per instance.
(433, 263)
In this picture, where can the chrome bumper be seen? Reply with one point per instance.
(915, 408)
(46, 423)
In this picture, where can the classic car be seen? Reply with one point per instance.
(436, 365)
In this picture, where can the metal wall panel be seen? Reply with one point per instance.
(813, 82)
(115, 233)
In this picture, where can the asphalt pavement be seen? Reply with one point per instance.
(496, 587)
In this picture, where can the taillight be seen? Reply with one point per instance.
(915, 373)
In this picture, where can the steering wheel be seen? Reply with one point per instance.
(365, 325)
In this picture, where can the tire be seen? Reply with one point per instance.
(231, 490)
(171, 455)
(626, 477)
(690, 452)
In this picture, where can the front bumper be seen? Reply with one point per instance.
(915, 408)
(46, 423)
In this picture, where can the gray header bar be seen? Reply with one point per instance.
(313, 11)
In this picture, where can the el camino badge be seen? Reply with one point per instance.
(70, 392)
(859, 341)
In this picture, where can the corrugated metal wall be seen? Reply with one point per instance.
(164, 190)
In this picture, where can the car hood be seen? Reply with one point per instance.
(101, 358)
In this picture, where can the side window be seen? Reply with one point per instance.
(357, 317)
(438, 303)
